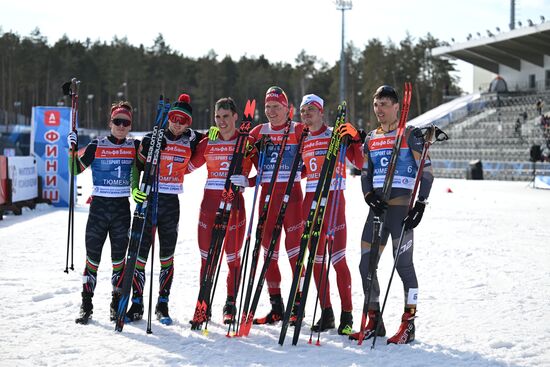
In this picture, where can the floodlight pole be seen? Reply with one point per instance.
(343, 5)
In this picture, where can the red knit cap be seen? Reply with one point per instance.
(181, 112)
(276, 94)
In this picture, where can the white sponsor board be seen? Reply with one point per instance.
(24, 178)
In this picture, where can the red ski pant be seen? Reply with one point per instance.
(338, 246)
(233, 237)
(292, 225)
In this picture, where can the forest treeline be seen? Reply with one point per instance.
(32, 72)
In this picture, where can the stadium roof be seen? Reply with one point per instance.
(529, 44)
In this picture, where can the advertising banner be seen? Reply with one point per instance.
(3, 179)
(50, 126)
(24, 178)
(542, 182)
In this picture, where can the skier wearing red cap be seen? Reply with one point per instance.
(112, 160)
(278, 114)
(180, 143)
(314, 153)
(216, 151)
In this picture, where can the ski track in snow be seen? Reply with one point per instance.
(482, 257)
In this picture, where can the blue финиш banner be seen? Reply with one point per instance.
(50, 126)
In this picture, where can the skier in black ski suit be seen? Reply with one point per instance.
(179, 144)
(112, 160)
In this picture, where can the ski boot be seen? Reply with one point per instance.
(405, 334)
(86, 309)
(161, 310)
(294, 313)
(346, 323)
(207, 316)
(370, 329)
(114, 305)
(229, 310)
(135, 312)
(325, 322)
(276, 313)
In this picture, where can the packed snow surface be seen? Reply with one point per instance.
(482, 256)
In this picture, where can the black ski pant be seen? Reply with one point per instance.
(167, 222)
(405, 266)
(108, 216)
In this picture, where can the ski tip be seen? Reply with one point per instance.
(246, 328)
(252, 108)
(407, 92)
(249, 110)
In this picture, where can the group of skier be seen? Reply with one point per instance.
(116, 161)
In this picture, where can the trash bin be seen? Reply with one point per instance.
(476, 170)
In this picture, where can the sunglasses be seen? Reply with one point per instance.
(122, 122)
(181, 120)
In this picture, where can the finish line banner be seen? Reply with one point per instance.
(50, 126)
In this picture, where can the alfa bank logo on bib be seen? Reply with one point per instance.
(52, 118)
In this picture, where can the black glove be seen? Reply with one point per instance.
(262, 142)
(376, 204)
(414, 216)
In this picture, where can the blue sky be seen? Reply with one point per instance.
(277, 29)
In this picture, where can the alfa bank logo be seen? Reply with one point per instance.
(52, 118)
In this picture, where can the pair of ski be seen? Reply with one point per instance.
(312, 231)
(329, 239)
(230, 191)
(250, 303)
(141, 211)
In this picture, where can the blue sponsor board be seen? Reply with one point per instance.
(50, 126)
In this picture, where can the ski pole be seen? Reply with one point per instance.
(71, 89)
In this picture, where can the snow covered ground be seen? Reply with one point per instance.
(482, 257)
